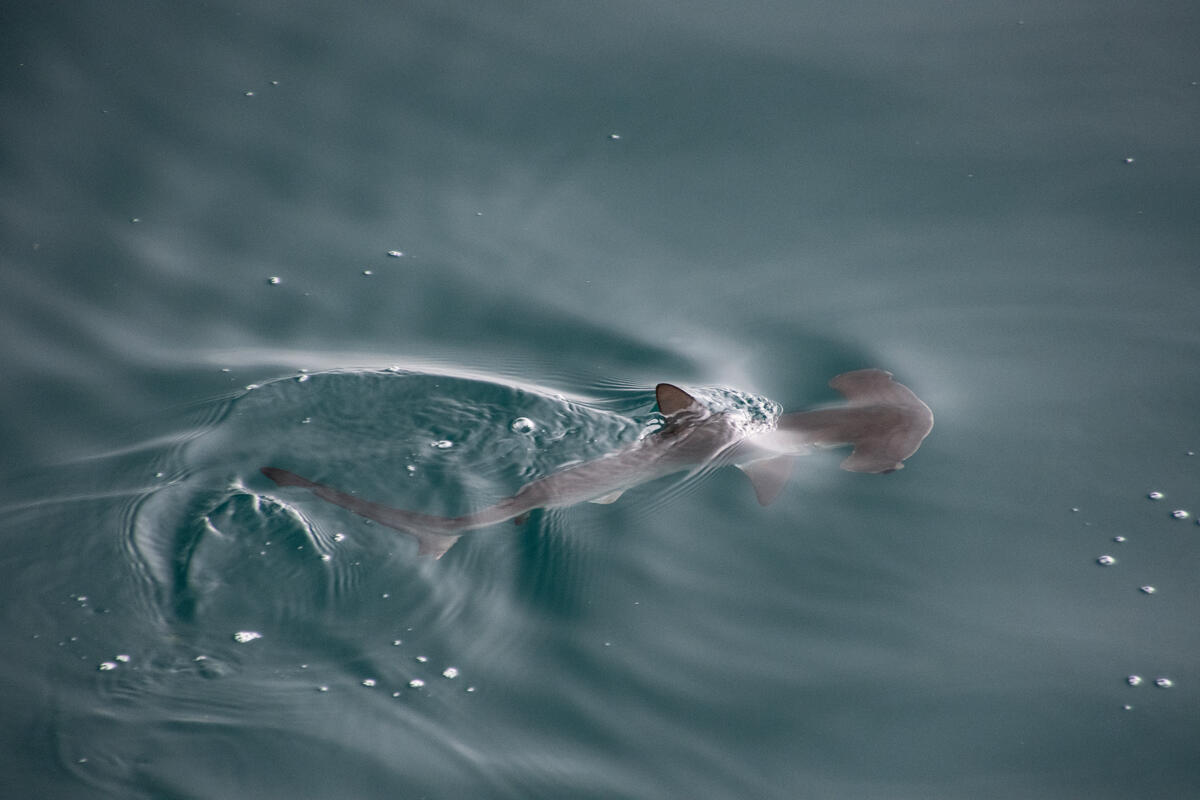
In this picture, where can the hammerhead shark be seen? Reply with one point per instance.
(882, 420)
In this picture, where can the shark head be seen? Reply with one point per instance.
(882, 420)
(891, 424)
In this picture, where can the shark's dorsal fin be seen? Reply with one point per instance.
(672, 399)
(768, 476)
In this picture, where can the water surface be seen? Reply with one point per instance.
(997, 204)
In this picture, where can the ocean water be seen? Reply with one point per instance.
(361, 241)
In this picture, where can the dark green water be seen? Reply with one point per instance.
(1000, 203)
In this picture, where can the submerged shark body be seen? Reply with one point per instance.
(882, 419)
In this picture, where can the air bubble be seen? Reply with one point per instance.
(522, 425)
(1148, 589)
(1179, 513)
(106, 666)
(450, 672)
(442, 444)
(1134, 680)
(1106, 561)
(241, 637)
(339, 537)
(1156, 495)
(395, 253)
(416, 683)
(368, 682)
(1164, 683)
(1119, 539)
(423, 659)
(273, 280)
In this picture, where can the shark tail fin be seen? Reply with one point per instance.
(430, 541)
(284, 478)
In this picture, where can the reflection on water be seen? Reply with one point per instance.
(429, 441)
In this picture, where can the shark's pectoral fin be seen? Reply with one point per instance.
(611, 497)
(768, 476)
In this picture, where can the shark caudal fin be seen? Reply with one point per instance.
(423, 528)
(284, 478)
(890, 424)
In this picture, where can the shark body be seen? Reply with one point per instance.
(882, 420)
